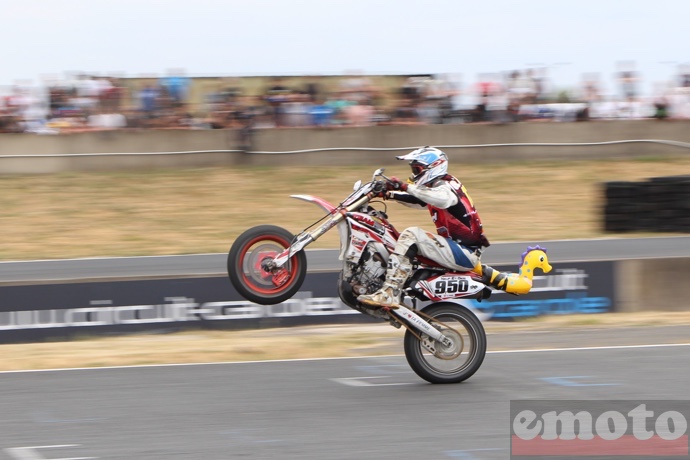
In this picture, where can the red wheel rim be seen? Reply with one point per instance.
(292, 264)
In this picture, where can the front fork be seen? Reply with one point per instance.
(410, 318)
(306, 238)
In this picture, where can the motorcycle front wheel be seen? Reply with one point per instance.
(453, 363)
(245, 265)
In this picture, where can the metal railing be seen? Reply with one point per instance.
(682, 145)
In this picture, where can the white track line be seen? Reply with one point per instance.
(536, 350)
(605, 347)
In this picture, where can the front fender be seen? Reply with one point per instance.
(320, 202)
(329, 208)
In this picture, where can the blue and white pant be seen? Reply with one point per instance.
(443, 251)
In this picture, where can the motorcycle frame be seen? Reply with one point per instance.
(348, 221)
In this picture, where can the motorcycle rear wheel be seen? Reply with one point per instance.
(449, 364)
(255, 284)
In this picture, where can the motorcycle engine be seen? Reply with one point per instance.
(369, 274)
(366, 277)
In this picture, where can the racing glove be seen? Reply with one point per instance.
(396, 184)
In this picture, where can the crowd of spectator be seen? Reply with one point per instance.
(101, 103)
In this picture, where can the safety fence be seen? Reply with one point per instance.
(665, 142)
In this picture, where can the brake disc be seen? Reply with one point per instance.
(452, 350)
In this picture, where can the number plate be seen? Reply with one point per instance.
(453, 286)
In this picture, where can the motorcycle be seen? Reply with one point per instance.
(444, 341)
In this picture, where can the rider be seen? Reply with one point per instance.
(460, 236)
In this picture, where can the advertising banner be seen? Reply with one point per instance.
(573, 287)
(58, 311)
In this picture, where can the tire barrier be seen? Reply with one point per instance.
(659, 204)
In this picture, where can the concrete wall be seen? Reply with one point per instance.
(30, 147)
(652, 284)
(476, 134)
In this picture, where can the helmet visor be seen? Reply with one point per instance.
(417, 168)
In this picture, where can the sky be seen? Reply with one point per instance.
(302, 37)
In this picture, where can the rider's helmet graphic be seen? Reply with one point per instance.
(427, 164)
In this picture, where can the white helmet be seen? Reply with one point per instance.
(427, 164)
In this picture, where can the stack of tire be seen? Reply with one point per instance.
(660, 204)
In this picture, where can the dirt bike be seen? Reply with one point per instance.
(444, 341)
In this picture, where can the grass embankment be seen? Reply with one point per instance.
(203, 210)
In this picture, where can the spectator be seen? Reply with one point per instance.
(406, 112)
(112, 95)
(67, 121)
(485, 90)
(90, 102)
(539, 83)
(88, 91)
(338, 102)
(313, 90)
(231, 90)
(59, 96)
(433, 94)
(177, 117)
(253, 108)
(105, 120)
(628, 80)
(412, 90)
(149, 100)
(356, 87)
(276, 94)
(448, 92)
(295, 111)
(661, 107)
(176, 85)
(684, 77)
(521, 90)
(679, 104)
(589, 94)
(245, 135)
(359, 114)
(428, 111)
(591, 89)
(9, 122)
(321, 113)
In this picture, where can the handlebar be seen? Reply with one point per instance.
(375, 188)
(379, 186)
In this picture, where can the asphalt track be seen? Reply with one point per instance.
(351, 408)
(364, 408)
(327, 260)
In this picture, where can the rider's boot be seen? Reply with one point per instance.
(494, 278)
(399, 268)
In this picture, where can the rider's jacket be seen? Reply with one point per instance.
(451, 208)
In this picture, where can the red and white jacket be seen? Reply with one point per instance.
(451, 208)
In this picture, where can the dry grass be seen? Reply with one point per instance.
(203, 210)
(637, 319)
(204, 347)
(289, 343)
